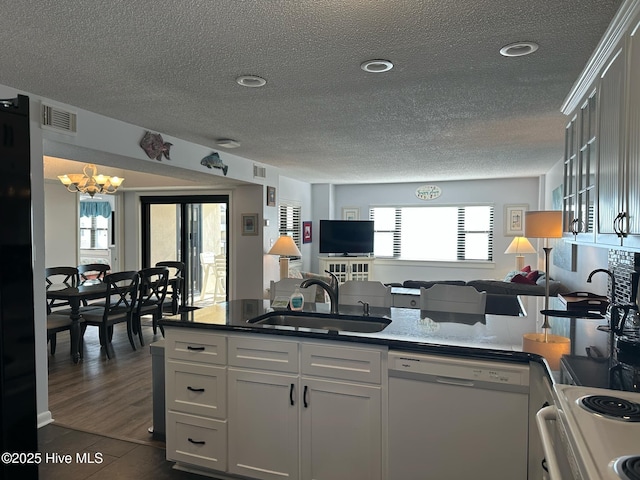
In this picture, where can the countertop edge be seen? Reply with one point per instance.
(418, 347)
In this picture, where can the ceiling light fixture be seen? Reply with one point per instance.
(90, 182)
(518, 49)
(376, 66)
(252, 81)
(227, 143)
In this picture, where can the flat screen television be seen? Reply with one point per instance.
(346, 237)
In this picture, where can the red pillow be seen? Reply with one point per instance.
(533, 276)
(522, 279)
(526, 269)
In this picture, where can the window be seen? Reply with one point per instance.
(289, 222)
(94, 232)
(450, 234)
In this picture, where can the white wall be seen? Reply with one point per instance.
(60, 225)
(497, 192)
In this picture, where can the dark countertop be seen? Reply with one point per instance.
(493, 337)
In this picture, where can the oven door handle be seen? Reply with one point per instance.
(543, 418)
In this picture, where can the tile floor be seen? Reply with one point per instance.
(121, 460)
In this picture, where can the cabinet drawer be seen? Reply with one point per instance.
(263, 353)
(343, 363)
(196, 346)
(197, 389)
(197, 441)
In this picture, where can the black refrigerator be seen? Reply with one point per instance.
(17, 340)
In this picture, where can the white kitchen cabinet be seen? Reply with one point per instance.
(611, 159)
(612, 75)
(196, 398)
(263, 424)
(348, 268)
(341, 427)
(580, 164)
(263, 407)
(335, 393)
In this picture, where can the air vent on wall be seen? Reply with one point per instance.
(259, 172)
(58, 120)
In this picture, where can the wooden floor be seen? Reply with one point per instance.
(111, 397)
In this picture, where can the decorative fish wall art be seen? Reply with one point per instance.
(154, 146)
(214, 161)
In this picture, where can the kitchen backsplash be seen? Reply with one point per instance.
(623, 264)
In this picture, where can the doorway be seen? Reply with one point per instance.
(190, 229)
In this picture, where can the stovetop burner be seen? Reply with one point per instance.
(611, 407)
(628, 467)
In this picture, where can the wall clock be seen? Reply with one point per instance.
(428, 192)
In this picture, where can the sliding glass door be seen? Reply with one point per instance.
(193, 230)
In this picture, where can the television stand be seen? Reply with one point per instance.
(348, 268)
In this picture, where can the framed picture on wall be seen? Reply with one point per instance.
(514, 220)
(306, 232)
(249, 224)
(350, 213)
(271, 196)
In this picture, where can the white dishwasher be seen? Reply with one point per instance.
(453, 418)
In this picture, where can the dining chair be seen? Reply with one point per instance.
(453, 298)
(220, 270)
(152, 292)
(93, 271)
(119, 307)
(376, 294)
(175, 291)
(60, 276)
(208, 263)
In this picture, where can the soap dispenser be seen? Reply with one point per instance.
(296, 301)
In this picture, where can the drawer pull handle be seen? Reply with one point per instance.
(195, 349)
(196, 442)
(304, 396)
(191, 389)
(291, 399)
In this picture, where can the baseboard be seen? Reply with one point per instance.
(44, 418)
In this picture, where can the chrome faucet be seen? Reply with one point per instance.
(611, 276)
(332, 290)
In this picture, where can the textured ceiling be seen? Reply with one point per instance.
(451, 108)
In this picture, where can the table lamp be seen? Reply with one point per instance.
(520, 245)
(545, 224)
(285, 247)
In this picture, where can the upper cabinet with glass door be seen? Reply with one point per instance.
(580, 172)
(602, 191)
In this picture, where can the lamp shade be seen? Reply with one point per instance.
(543, 224)
(551, 347)
(285, 246)
(520, 245)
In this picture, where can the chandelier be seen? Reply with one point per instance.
(90, 182)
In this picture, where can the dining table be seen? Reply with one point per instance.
(75, 295)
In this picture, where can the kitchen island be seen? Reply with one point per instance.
(248, 400)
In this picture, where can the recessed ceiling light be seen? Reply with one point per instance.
(376, 66)
(227, 143)
(518, 49)
(252, 81)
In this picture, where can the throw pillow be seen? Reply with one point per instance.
(533, 276)
(527, 269)
(522, 279)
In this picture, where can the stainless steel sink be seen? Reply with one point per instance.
(331, 322)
